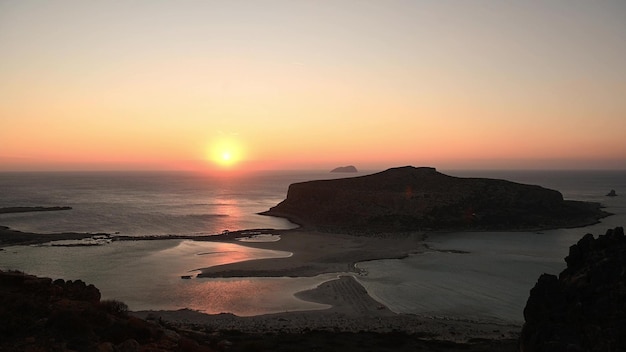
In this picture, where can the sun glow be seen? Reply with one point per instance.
(226, 152)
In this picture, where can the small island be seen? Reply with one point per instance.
(345, 169)
(9, 210)
(421, 198)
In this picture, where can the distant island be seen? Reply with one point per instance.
(349, 168)
(421, 198)
(31, 209)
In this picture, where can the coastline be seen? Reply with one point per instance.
(351, 310)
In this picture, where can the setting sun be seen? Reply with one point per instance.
(226, 152)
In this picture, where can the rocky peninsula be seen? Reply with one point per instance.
(421, 198)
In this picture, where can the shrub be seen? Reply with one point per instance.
(114, 307)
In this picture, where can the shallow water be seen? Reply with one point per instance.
(147, 275)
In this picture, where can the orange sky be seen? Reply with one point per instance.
(312, 84)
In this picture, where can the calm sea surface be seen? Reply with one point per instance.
(491, 282)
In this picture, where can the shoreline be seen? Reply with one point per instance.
(351, 310)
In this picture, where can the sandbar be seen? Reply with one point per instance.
(317, 253)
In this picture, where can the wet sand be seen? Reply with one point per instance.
(317, 253)
(352, 311)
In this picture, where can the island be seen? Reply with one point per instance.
(9, 210)
(349, 168)
(421, 198)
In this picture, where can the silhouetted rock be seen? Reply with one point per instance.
(612, 193)
(409, 198)
(38, 314)
(584, 309)
(349, 168)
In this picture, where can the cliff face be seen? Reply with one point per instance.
(409, 198)
(584, 309)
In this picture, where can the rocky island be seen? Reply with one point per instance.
(421, 198)
(349, 168)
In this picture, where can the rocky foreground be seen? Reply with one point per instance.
(584, 308)
(39, 314)
(409, 198)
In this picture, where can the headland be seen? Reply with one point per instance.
(423, 199)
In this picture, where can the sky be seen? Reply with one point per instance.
(167, 85)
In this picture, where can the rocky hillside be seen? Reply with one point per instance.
(584, 309)
(409, 198)
(39, 314)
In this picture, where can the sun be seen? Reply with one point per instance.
(226, 152)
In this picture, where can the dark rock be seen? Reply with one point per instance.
(39, 314)
(129, 345)
(409, 198)
(349, 168)
(612, 193)
(584, 309)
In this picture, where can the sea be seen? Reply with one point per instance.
(478, 276)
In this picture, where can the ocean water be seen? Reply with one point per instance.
(147, 203)
(489, 282)
(147, 274)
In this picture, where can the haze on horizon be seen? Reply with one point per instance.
(280, 84)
